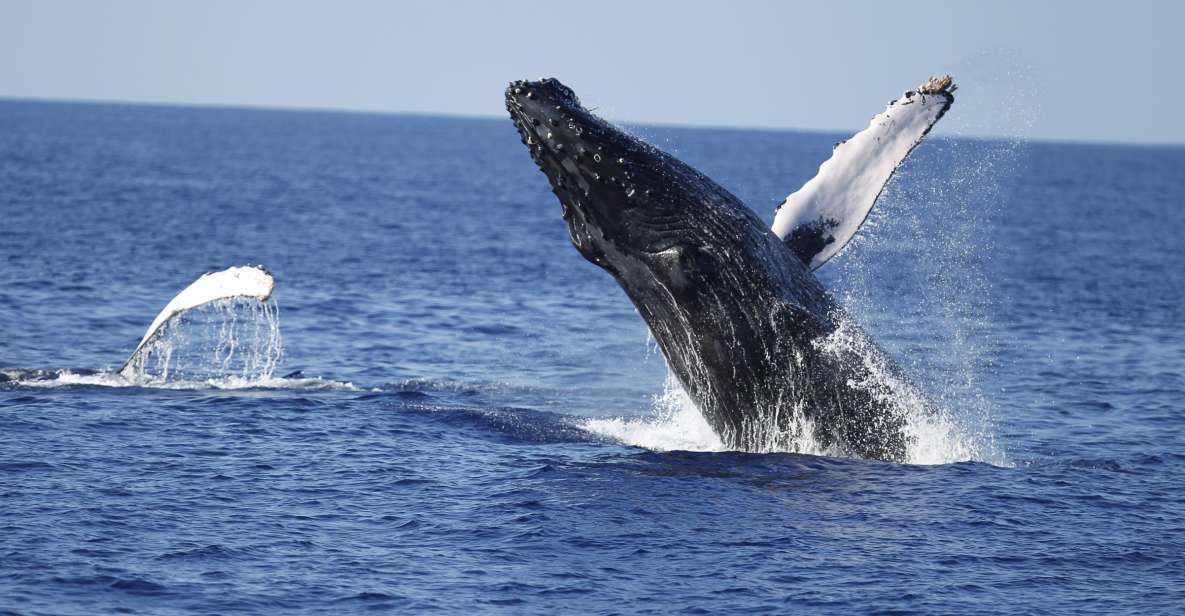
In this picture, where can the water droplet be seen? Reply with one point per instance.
(597, 157)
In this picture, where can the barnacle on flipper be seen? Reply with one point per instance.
(935, 85)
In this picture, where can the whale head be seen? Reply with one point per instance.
(654, 222)
(630, 208)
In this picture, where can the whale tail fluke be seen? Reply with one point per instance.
(819, 220)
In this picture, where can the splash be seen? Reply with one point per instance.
(934, 433)
(233, 338)
(253, 282)
(674, 425)
(915, 276)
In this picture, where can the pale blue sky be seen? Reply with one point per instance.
(1058, 70)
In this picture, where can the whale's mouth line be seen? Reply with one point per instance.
(521, 121)
(568, 190)
(534, 144)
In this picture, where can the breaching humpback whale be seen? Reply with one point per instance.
(742, 321)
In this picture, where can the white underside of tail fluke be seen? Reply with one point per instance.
(821, 218)
(235, 282)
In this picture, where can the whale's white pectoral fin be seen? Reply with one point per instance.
(822, 217)
(246, 281)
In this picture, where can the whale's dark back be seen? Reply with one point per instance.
(741, 320)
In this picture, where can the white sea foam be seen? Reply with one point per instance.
(934, 434)
(675, 425)
(114, 379)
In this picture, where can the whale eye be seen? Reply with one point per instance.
(692, 268)
(694, 261)
(685, 266)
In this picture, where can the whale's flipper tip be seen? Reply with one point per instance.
(938, 85)
(819, 219)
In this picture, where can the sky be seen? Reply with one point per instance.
(1072, 71)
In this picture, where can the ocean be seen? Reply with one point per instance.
(467, 417)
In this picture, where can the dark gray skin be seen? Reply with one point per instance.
(738, 316)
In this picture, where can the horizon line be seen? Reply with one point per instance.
(473, 116)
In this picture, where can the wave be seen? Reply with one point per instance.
(674, 423)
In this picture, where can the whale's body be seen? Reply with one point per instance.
(742, 321)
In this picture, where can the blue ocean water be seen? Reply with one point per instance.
(481, 424)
